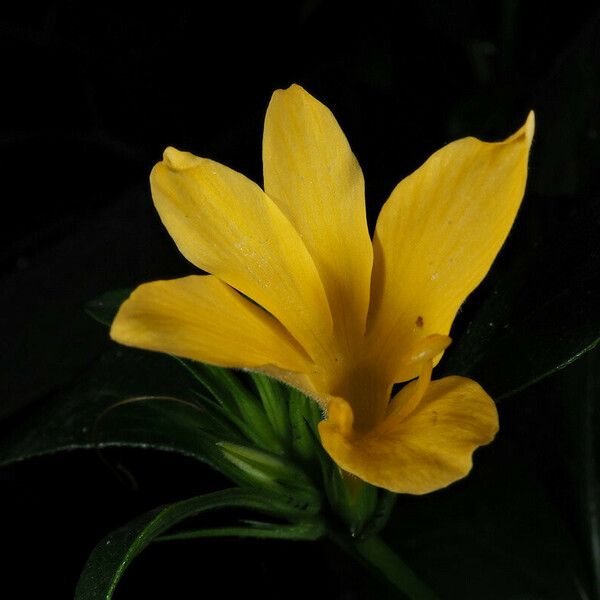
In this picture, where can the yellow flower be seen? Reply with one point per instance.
(298, 290)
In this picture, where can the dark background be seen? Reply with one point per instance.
(91, 95)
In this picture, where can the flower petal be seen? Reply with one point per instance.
(202, 318)
(416, 454)
(438, 235)
(310, 171)
(226, 225)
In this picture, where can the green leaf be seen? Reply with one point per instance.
(540, 312)
(137, 399)
(129, 398)
(111, 557)
(305, 530)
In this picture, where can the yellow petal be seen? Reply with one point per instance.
(226, 225)
(202, 318)
(438, 235)
(416, 454)
(310, 171)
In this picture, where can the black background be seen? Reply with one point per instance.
(91, 94)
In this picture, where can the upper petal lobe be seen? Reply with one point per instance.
(312, 175)
(438, 234)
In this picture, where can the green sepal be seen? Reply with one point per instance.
(353, 500)
(381, 514)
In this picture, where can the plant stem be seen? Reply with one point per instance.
(378, 557)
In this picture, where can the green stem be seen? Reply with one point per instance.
(376, 555)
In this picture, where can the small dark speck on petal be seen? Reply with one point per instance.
(419, 321)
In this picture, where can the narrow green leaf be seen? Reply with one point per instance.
(235, 399)
(111, 557)
(306, 530)
(304, 414)
(129, 398)
(224, 414)
(272, 395)
(220, 383)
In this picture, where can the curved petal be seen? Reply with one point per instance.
(226, 225)
(202, 318)
(425, 450)
(310, 171)
(438, 235)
